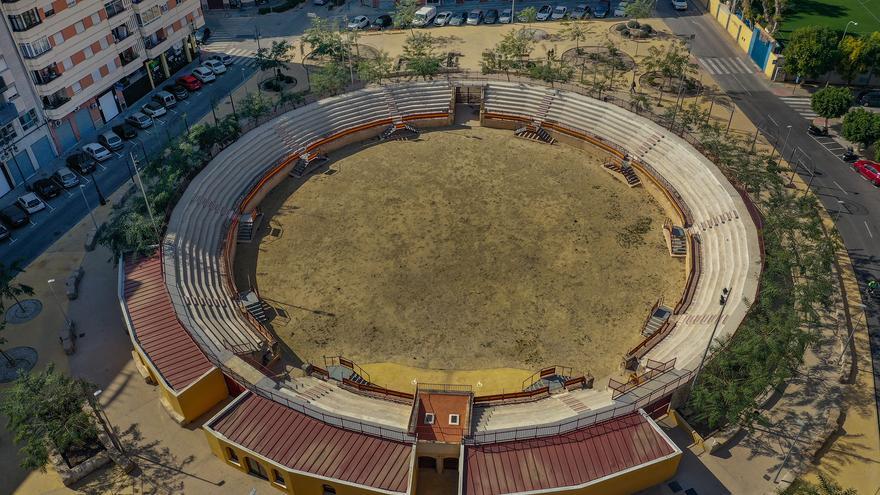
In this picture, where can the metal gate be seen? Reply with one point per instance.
(761, 47)
(469, 95)
(66, 138)
(84, 124)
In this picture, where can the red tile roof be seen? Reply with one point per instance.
(301, 443)
(566, 460)
(441, 405)
(154, 322)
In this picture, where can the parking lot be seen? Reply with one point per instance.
(73, 204)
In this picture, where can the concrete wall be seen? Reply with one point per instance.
(740, 32)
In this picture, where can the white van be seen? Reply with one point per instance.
(424, 16)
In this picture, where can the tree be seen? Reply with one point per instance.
(824, 487)
(861, 126)
(376, 69)
(324, 40)
(254, 106)
(552, 70)
(420, 57)
(275, 57)
(639, 9)
(672, 63)
(872, 53)
(330, 79)
(576, 31)
(405, 13)
(854, 58)
(508, 54)
(129, 231)
(48, 410)
(811, 51)
(528, 15)
(291, 97)
(831, 102)
(10, 289)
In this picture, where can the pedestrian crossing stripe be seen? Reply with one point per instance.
(247, 58)
(801, 105)
(730, 65)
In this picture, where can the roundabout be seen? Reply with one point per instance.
(231, 352)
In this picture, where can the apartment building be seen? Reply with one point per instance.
(88, 60)
(24, 137)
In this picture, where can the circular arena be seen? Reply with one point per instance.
(329, 426)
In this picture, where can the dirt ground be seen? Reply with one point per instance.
(465, 249)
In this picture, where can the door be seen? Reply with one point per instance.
(43, 152)
(107, 103)
(66, 138)
(84, 124)
(4, 181)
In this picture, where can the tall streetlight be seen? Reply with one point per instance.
(104, 420)
(854, 23)
(82, 190)
(785, 143)
(722, 300)
(51, 283)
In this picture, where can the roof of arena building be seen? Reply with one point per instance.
(301, 443)
(568, 460)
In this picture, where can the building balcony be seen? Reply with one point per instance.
(128, 57)
(150, 43)
(55, 101)
(45, 76)
(115, 8)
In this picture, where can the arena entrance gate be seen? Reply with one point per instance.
(469, 95)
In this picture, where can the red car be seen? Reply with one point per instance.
(868, 170)
(189, 82)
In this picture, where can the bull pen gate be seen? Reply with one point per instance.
(468, 95)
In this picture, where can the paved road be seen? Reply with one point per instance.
(853, 202)
(70, 207)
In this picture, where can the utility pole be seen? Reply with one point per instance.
(725, 295)
(88, 208)
(144, 192)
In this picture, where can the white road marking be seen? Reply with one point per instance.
(841, 189)
(869, 230)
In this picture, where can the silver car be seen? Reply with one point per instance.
(65, 178)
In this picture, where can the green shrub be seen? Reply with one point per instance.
(633, 24)
(264, 10)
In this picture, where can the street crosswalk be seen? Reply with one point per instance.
(727, 65)
(801, 105)
(246, 57)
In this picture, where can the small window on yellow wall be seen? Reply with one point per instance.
(329, 490)
(231, 455)
(277, 478)
(256, 469)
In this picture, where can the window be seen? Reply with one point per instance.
(76, 87)
(96, 18)
(429, 418)
(104, 43)
(25, 20)
(232, 456)
(88, 52)
(96, 76)
(256, 469)
(49, 11)
(68, 63)
(3, 65)
(71, 3)
(28, 119)
(149, 15)
(58, 38)
(453, 419)
(80, 27)
(7, 133)
(329, 490)
(278, 479)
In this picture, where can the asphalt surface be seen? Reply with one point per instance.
(852, 201)
(70, 206)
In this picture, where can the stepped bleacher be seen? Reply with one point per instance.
(196, 270)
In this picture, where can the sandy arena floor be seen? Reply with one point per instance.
(465, 249)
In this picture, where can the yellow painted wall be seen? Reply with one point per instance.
(632, 481)
(772, 62)
(202, 395)
(295, 483)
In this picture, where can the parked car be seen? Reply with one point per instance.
(869, 171)
(222, 58)
(80, 162)
(125, 131)
(381, 22)
(65, 178)
(319, 3)
(580, 12)
(491, 16)
(46, 188)
(544, 13)
(190, 82)
(153, 110)
(442, 18)
(620, 10)
(475, 17)
(110, 141)
(204, 74)
(139, 120)
(359, 22)
(216, 67)
(559, 13)
(202, 35)
(165, 99)
(505, 17)
(870, 99)
(30, 203)
(458, 19)
(4, 233)
(679, 4)
(424, 16)
(97, 152)
(179, 92)
(14, 216)
(817, 131)
(601, 10)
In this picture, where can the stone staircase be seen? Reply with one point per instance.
(307, 163)
(247, 225)
(255, 306)
(676, 239)
(625, 171)
(658, 317)
(316, 391)
(572, 402)
(399, 132)
(649, 144)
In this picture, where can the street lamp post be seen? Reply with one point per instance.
(104, 420)
(101, 199)
(51, 283)
(785, 143)
(82, 190)
(725, 295)
(854, 23)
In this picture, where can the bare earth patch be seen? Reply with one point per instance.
(466, 249)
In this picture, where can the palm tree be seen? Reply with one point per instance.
(10, 290)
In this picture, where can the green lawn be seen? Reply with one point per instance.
(832, 13)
